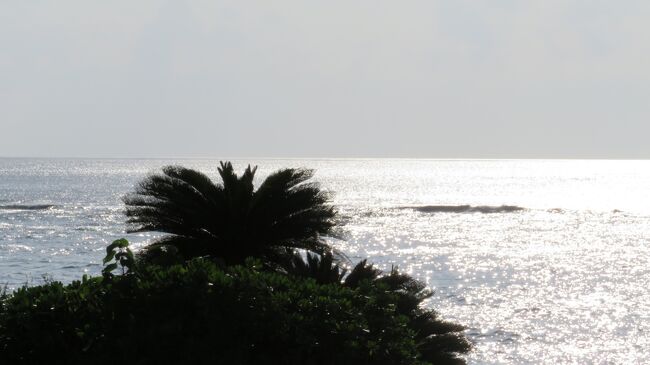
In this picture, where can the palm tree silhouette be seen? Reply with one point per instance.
(232, 220)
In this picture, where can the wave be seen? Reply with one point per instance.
(466, 209)
(27, 207)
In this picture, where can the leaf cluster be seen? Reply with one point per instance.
(440, 341)
(119, 252)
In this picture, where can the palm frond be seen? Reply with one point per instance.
(362, 271)
(166, 204)
(210, 191)
(321, 268)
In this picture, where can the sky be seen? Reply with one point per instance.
(340, 79)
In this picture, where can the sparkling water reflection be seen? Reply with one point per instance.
(564, 280)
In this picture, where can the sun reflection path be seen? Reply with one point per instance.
(533, 287)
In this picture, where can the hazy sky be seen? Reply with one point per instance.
(453, 78)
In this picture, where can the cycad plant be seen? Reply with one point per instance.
(231, 220)
(438, 341)
(287, 214)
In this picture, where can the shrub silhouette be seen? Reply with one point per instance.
(203, 313)
(438, 341)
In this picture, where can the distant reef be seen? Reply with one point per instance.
(465, 208)
(27, 207)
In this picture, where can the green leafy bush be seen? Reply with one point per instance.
(201, 312)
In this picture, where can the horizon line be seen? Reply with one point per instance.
(358, 158)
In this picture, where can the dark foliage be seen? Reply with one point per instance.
(199, 313)
(231, 220)
(441, 341)
(322, 268)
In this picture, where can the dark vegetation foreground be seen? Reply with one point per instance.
(244, 276)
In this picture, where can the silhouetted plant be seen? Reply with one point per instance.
(321, 268)
(198, 311)
(119, 252)
(232, 220)
(362, 271)
(203, 313)
(440, 341)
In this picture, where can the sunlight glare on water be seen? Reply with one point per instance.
(564, 280)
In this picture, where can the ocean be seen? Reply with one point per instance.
(544, 261)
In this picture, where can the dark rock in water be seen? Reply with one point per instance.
(466, 209)
(27, 207)
(443, 208)
(499, 209)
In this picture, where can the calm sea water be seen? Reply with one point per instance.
(564, 280)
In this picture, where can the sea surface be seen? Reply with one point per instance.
(544, 261)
